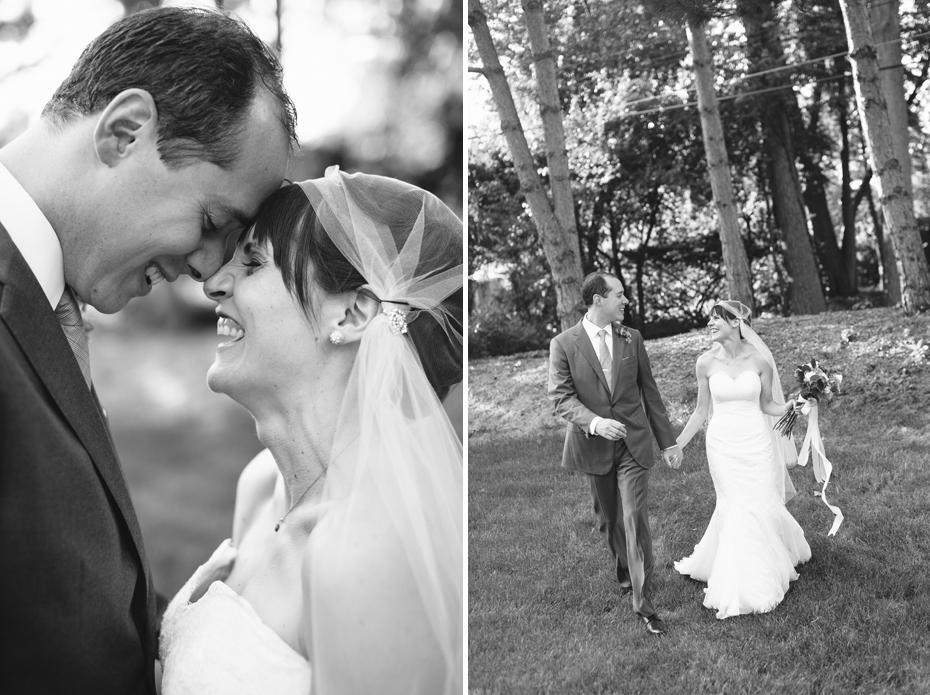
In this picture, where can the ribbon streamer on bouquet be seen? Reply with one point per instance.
(813, 446)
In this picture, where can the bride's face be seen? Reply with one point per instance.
(721, 328)
(267, 341)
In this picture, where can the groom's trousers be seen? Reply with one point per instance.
(620, 502)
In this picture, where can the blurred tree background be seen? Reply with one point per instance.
(804, 188)
(378, 88)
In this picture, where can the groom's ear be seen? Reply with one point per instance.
(128, 125)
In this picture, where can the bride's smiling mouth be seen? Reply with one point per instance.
(226, 326)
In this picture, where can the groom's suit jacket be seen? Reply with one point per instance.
(76, 602)
(579, 392)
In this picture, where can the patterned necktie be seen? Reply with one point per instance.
(603, 355)
(69, 316)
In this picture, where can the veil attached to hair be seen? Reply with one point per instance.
(409, 458)
(786, 452)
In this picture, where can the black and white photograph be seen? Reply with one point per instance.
(698, 346)
(232, 343)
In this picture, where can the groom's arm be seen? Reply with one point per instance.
(652, 399)
(562, 390)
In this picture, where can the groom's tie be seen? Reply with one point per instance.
(69, 316)
(603, 355)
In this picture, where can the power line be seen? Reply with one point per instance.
(729, 97)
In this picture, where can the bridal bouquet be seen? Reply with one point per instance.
(816, 384)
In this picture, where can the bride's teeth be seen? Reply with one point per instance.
(153, 274)
(229, 327)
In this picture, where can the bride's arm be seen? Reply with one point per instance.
(696, 421)
(768, 406)
(364, 625)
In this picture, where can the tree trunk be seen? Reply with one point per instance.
(848, 251)
(739, 285)
(828, 251)
(560, 245)
(897, 209)
(277, 19)
(805, 294)
(886, 32)
(550, 111)
(889, 270)
(815, 198)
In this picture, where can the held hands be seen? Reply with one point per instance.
(672, 456)
(610, 429)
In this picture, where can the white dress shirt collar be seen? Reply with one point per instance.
(592, 329)
(33, 235)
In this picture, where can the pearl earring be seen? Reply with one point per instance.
(337, 338)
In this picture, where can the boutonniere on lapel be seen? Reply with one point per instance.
(621, 331)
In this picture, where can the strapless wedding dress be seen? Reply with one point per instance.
(219, 645)
(752, 545)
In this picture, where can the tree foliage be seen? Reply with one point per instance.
(642, 198)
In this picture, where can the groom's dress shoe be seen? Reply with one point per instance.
(654, 625)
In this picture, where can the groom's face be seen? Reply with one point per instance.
(614, 301)
(175, 220)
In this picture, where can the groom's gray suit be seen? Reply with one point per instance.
(617, 470)
(77, 609)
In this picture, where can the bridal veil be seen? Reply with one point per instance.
(398, 237)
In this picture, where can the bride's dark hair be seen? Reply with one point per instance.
(287, 220)
(727, 315)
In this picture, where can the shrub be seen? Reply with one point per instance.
(495, 330)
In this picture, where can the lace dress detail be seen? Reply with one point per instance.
(752, 544)
(219, 645)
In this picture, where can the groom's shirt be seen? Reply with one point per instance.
(33, 235)
(592, 329)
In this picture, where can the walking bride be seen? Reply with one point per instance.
(752, 544)
(343, 307)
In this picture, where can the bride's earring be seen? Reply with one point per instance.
(337, 338)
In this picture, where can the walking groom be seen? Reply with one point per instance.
(601, 383)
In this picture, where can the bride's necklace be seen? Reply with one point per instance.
(727, 359)
(310, 486)
(302, 495)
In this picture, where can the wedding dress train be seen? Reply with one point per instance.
(752, 544)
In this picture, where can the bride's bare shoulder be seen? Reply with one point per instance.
(705, 359)
(255, 486)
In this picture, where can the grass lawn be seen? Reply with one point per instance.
(545, 613)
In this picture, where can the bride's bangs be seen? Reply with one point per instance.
(285, 221)
(721, 312)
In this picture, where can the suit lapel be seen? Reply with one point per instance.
(586, 348)
(26, 312)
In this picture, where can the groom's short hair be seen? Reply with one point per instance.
(595, 283)
(203, 68)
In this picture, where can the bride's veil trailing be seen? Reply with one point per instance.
(407, 245)
(786, 452)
